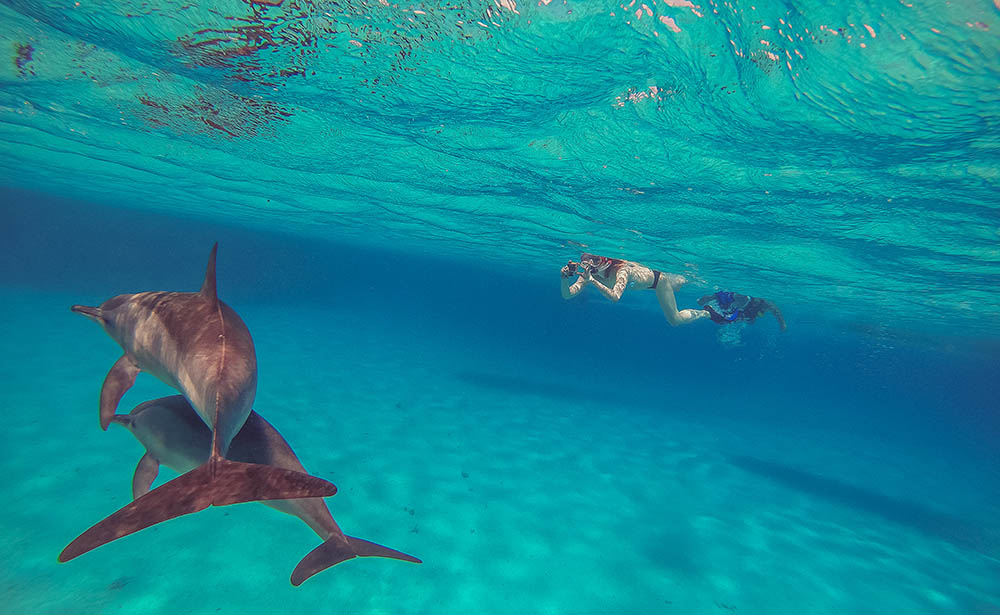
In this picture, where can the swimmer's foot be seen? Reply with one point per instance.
(716, 317)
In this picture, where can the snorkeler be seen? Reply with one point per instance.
(730, 307)
(611, 276)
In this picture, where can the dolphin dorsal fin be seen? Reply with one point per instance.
(208, 287)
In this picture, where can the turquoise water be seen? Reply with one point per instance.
(394, 186)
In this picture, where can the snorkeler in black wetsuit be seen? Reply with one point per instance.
(730, 307)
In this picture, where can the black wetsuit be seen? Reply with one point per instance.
(733, 307)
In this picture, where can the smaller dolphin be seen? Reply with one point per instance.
(174, 435)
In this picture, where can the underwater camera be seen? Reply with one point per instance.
(579, 268)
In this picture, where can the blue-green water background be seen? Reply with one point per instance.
(392, 213)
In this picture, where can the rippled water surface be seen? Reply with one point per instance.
(842, 155)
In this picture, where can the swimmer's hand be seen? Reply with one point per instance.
(571, 269)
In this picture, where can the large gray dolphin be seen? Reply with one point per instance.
(197, 344)
(174, 436)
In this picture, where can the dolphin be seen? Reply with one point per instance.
(174, 436)
(198, 345)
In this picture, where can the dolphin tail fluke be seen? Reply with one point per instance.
(219, 482)
(336, 550)
(237, 482)
(330, 553)
(366, 548)
(184, 495)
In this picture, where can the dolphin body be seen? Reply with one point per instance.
(197, 344)
(174, 436)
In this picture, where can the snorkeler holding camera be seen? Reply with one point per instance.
(611, 276)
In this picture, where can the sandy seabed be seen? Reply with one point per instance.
(521, 493)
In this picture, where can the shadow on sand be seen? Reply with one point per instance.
(916, 516)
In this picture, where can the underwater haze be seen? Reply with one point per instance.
(394, 187)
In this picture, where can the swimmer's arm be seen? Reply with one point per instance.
(770, 307)
(571, 290)
(613, 294)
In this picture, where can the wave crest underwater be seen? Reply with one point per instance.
(832, 156)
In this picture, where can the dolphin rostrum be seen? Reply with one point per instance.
(197, 344)
(174, 436)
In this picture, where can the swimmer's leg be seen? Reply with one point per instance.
(676, 280)
(668, 303)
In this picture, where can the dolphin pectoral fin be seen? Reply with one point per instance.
(145, 474)
(119, 379)
(218, 482)
(341, 548)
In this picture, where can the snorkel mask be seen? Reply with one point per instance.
(595, 263)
